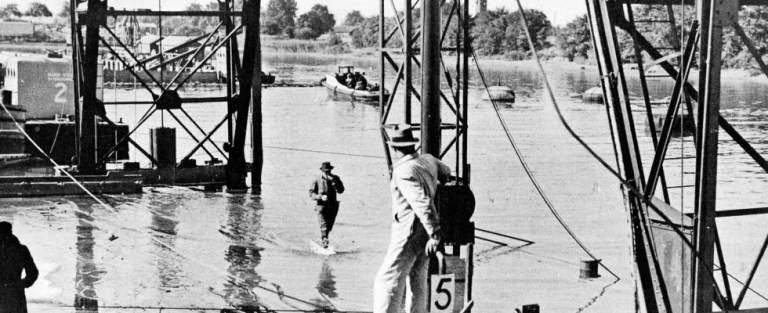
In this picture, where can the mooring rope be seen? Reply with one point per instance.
(528, 170)
(56, 165)
(232, 279)
(639, 194)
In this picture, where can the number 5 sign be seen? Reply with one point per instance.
(442, 295)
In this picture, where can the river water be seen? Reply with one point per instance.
(181, 248)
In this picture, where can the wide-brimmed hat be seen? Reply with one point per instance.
(326, 166)
(402, 137)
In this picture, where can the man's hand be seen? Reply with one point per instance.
(434, 244)
(324, 198)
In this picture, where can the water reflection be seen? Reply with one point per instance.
(242, 228)
(87, 274)
(326, 284)
(164, 225)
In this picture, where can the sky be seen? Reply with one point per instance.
(559, 12)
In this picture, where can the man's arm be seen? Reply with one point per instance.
(443, 172)
(414, 193)
(29, 269)
(313, 190)
(338, 184)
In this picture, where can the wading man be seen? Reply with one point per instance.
(415, 227)
(14, 257)
(324, 189)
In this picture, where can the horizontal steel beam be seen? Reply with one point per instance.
(687, 2)
(173, 13)
(737, 212)
(763, 310)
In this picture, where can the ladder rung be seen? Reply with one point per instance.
(677, 187)
(653, 21)
(679, 158)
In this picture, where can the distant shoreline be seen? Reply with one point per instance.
(32, 47)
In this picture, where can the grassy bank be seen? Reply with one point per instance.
(272, 44)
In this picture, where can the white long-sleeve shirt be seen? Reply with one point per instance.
(413, 186)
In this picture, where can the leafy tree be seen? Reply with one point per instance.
(754, 21)
(38, 9)
(353, 18)
(316, 22)
(307, 33)
(538, 25)
(500, 32)
(279, 17)
(64, 9)
(489, 31)
(11, 10)
(574, 40)
(366, 34)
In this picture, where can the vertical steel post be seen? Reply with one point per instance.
(236, 167)
(226, 7)
(603, 15)
(430, 75)
(382, 64)
(257, 155)
(93, 19)
(714, 15)
(74, 29)
(466, 51)
(408, 45)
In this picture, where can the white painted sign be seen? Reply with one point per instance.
(443, 293)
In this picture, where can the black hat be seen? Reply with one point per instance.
(402, 137)
(326, 166)
(5, 228)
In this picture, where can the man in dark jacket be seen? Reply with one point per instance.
(323, 190)
(14, 257)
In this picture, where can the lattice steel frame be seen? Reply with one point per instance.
(85, 60)
(698, 230)
(456, 101)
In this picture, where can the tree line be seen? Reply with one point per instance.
(35, 9)
(493, 33)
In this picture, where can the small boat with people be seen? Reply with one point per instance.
(346, 83)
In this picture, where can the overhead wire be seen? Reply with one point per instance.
(527, 168)
(233, 279)
(638, 194)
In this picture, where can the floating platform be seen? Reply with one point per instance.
(110, 183)
(57, 138)
(500, 94)
(594, 94)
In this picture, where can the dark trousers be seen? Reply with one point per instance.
(12, 300)
(326, 217)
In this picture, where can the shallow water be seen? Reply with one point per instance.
(181, 248)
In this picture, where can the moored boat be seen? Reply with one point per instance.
(337, 86)
(500, 94)
(594, 94)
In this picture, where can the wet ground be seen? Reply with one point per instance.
(186, 249)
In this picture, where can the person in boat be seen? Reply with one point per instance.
(415, 227)
(361, 78)
(323, 190)
(351, 81)
(359, 86)
(14, 257)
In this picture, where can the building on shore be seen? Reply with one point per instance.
(16, 29)
(482, 6)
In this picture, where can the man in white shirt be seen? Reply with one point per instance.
(415, 228)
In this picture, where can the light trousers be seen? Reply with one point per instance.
(403, 274)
